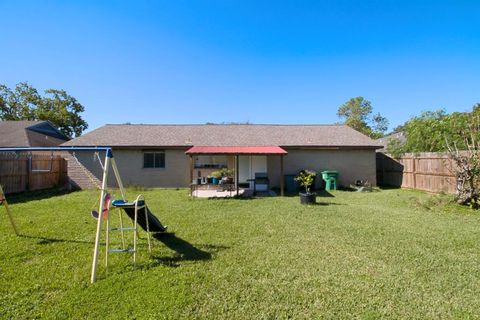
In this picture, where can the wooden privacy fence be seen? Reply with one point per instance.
(25, 173)
(428, 171)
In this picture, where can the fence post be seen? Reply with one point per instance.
(63, 172)
(414, 171)
(29, 172)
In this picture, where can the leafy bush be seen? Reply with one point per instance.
(225, 172)
(429, 131)
(305, 178)
(216, 174)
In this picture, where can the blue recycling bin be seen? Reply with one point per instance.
(290, 183)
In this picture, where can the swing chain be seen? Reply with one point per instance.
(97, 156)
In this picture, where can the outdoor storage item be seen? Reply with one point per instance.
(330, 178)
(261, 182)
(290, 184)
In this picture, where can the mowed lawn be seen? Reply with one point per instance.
(386, 254)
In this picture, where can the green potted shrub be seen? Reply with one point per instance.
(306, 178)
(216, 176)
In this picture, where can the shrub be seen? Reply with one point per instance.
(305, 178)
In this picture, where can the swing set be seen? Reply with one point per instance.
(137, 210)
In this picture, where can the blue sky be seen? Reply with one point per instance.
(235, 61)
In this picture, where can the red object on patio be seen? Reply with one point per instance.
(273, 150)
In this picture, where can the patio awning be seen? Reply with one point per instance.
(265, 150)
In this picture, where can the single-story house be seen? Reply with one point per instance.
(399, 136)
(30, 134)
(175, 155)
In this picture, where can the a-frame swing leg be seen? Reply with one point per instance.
(148, 231)
(100, 218)
(3, 201)
(109, 160)
(107, 240)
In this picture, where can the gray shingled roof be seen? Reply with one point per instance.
(29, 134)
(400, 136)
(224, 135)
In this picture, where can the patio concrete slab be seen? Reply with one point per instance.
(211, 193)
(217, 194)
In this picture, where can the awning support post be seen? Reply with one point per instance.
(191, 175)
(236, 173)
(282, 182)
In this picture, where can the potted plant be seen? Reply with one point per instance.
(216, 176)
(227, 175)
(306, 178)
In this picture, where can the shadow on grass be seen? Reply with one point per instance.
(44, 240)
(325, 193)
(388, 187)
(320, 193)
(327, 204)
(184, 250)
(234, 197)
(22, 197)
(322, 203)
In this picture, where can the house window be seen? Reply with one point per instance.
(154, 159)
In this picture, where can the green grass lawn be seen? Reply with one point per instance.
(391, 253)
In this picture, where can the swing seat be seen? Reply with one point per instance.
(106, 207)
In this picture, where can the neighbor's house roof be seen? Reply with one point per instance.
(30, 134)
(400, 136)
(134, 136)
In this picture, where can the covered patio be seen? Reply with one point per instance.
(229, 157)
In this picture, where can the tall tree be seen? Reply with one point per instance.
(357, 114)
(429, 131)
(56, 106)
(18, 104)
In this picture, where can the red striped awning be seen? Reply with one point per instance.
(266, 150)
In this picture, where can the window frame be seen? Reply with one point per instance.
(155, 154)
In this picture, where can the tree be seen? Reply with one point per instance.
(18, 104)
(428, 132)
(357, 113)
(467, 167)
(58, 107)
(458, 134)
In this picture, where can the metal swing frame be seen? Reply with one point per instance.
(3, 201)
(109, 161)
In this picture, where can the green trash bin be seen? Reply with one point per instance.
(330, 178)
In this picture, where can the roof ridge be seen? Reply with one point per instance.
(226, 124)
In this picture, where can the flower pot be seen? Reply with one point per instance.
(308, 198)
(227, 180)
